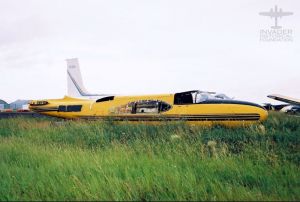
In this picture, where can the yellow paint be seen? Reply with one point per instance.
(119, 108)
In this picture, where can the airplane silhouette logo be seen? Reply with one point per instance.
(275, 14)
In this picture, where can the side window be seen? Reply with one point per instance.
(61, 108)
(74, 108)
(183, 98)
(69, 108)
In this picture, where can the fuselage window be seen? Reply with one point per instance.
(62, 108)
(69, 108)
(105, 99)
(74, 108)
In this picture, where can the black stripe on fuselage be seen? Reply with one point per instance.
(208, 117)
(226, 102)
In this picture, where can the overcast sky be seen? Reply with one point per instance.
(141, 47)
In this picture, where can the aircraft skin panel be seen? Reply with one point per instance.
(154, 109)
(286, 99)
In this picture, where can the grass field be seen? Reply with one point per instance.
(42, 159)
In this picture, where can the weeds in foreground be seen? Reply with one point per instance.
(46, 159)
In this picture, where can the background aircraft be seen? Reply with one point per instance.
(292, 107)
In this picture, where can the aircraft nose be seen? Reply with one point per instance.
(31, 105)
(37, 105)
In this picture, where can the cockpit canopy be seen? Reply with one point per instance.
(194, 97)
(203, 96)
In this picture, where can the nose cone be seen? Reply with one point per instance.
(37, 105)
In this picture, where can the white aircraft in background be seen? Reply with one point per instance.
(75, 84)
(293, 106)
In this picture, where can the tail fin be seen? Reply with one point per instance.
(75, 84)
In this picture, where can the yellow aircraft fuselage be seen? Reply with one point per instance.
(154, 108)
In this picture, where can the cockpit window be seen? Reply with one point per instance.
(194, 97)
(183, 98)
(199, 97)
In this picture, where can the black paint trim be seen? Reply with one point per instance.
(207, 117)
(44, 109)
(227, 102)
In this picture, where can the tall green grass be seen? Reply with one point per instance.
(49, 159)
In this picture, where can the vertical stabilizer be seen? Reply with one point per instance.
(75, 84)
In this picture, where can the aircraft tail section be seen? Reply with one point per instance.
(75, 84)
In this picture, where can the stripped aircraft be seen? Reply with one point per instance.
(194, 107)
